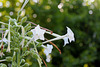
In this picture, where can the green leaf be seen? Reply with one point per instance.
(27, 27)
(29, 33)
(8, 59)
(8, 17)
(23, 19)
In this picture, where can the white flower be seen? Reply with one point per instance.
(69, 35)
(4, 40)
(38, 33)
(47, 51)
(48, 58)
(65, 40)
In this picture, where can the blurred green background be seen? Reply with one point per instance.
(82, 16)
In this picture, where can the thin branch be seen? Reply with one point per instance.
(43, 61)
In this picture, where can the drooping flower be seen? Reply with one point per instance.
(69, 35)
(47, 51)
(38, 33)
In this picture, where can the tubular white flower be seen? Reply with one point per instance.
(8, 49)
(69, 35)
(38, 33)
(47, 51)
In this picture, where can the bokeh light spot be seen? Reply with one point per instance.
(11, 13)
(34, 15)
(90, 12)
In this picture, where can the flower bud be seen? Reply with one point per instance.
(23, 19)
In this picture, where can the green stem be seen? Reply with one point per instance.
(39, 59)
(18, 58)
(26, 1)
(29, 41)
(3, 23)
(2, 60)
(8, 49)
(13, 60)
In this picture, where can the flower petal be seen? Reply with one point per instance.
(70, 34)
(65, 41)
(38, 33)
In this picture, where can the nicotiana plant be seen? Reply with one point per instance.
(23, 40)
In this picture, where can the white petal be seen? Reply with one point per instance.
(47, 49)
(65, 41)
(70, 34)
(48, 58)
(38, 33)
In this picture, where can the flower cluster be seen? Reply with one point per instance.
(38, 33)
(23, 40)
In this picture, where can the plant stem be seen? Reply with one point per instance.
(39, 59)
(2, 60)
(13, 59)
(26, 1)
(18, 58)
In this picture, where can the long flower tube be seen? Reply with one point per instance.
(8, 49)
(58, 38)
(69, 35)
